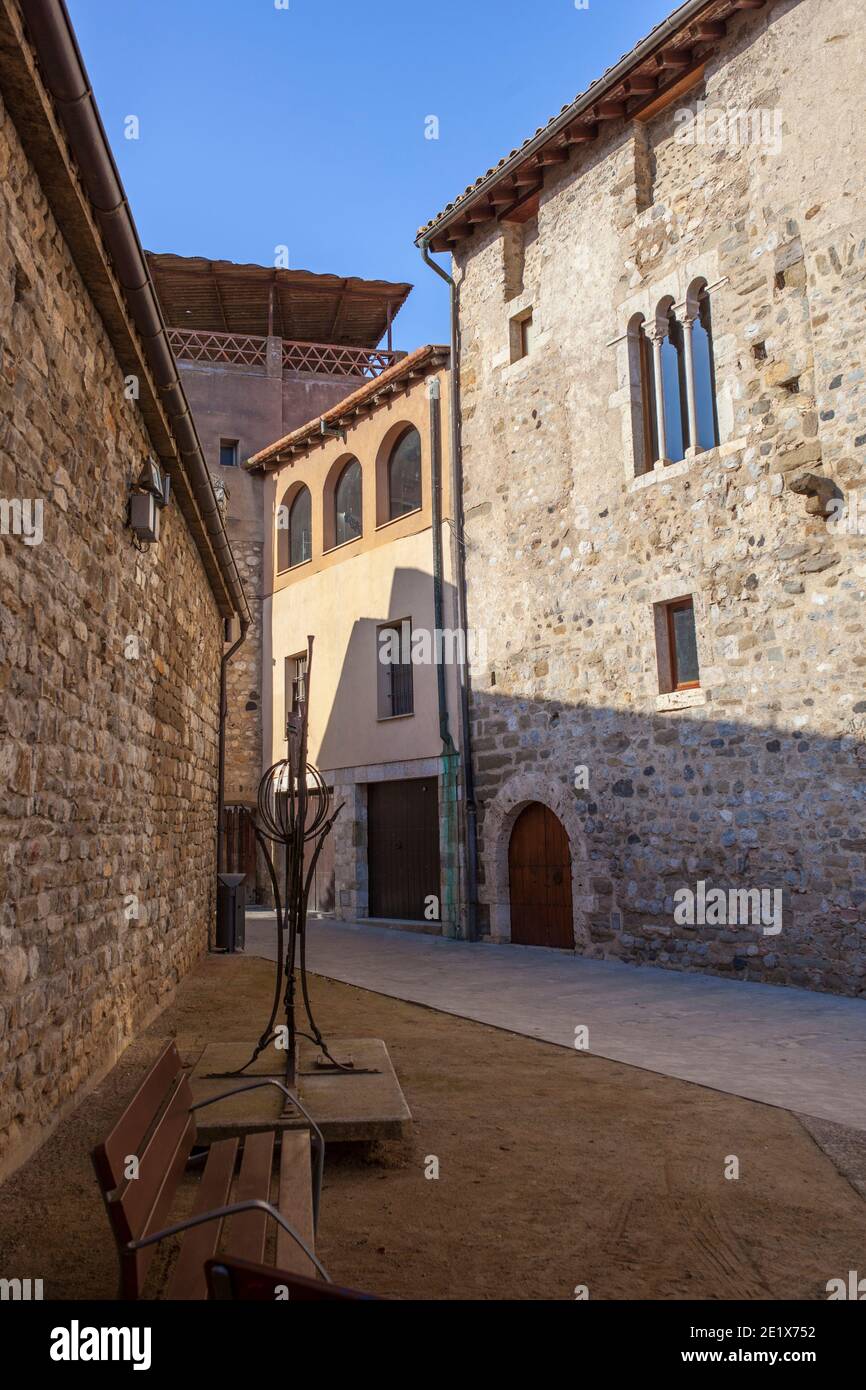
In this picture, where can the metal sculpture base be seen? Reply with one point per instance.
(360, 1102)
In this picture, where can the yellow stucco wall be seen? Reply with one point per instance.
(342, 595)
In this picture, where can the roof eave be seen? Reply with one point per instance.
(363, 402)
(441, 234)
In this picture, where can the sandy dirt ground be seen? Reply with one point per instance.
(557, 1170)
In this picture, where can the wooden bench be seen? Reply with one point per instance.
(156, 1135)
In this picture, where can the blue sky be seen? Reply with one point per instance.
(305, 127)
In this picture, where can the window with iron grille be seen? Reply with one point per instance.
(296, 682)
(396, 694)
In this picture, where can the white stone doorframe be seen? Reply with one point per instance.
(500, 813)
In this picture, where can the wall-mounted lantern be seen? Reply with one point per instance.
(148, 496)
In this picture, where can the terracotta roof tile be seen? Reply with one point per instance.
(423, 359)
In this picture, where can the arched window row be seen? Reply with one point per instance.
(674, 366)
(400, 478)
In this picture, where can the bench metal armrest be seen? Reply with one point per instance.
(218, 1214)
(318, 1137)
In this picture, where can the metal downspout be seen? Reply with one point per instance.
(224, 709)
(459, 551)
(449, 752)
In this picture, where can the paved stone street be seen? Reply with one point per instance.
(788, 1047)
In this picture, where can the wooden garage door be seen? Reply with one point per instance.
(539, 873)
(402, 847)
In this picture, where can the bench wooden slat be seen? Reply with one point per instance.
(247, 1233)
(188, 1279)
(296, 1203)
(176, 1127)
(158, 1128)
(128, 1134)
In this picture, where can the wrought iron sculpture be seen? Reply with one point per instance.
(294, 811)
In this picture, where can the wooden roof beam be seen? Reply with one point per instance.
(675, 58)
(580, 134)
(479, 212)
(552, 154)
(708, 31)
(610, 110)
(642, 84)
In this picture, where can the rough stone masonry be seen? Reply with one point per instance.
(757, 781)
(109, 691)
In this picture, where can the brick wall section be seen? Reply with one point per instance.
(107, 762)
(764, 784)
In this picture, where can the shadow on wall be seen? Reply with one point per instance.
(654, 805)
(353, 734)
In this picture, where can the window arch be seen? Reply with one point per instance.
(699, 312)
(671, 364)
(643, 396)
(348, 498)
(404, 474)
(294, 528)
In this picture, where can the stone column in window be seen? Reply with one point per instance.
(657, 335)
(687, 319)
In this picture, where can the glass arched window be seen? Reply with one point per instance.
(649, 409)
(404, 475)
(705, 375)
(674, 379)
(301, 528)
(347, 504)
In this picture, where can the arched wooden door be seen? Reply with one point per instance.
(539, 875)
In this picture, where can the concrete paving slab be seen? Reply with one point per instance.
(786, 1047)
(366, 1103)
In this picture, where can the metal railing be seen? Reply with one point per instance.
(238, 349)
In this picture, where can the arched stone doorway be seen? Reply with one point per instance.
(497, 821)
(539, 879)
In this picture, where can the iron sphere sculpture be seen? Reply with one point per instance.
(294, 818)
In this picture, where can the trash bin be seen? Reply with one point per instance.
(231, 912)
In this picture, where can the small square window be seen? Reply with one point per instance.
(522, 335)
(228, 453)
(677, 646)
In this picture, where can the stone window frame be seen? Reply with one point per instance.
(653, 638)
(527, 302)
(520, 343)
(680, 291)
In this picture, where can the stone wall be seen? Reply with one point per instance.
(109, 689)
(759, 780)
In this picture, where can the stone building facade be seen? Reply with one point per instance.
(725, 170)
(109, 655)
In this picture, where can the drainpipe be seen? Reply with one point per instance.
(458, 550)
(221, 776)
(449, 752)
